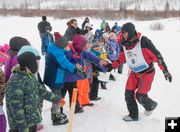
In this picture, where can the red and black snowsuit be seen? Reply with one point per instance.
(139, 83)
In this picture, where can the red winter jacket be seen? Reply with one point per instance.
(151, 54)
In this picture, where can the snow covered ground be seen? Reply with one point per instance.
(106, 115)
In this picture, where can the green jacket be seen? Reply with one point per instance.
(23, 93)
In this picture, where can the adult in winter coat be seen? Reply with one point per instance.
(42, 26)
(77, 55)
(102, 25)
(47, 40)
(73, 29)
(84, 23)
(114, 27)
(139, 53)
(23, 92)
(15, 44)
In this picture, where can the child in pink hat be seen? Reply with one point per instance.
(3, 57)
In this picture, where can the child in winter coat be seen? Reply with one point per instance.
(98, 34)
(139, 53)
(89, 35)
(77, 55)
(23, 93)
(56, 64)
(94, 86)
(3, 58)
(47, 40)
(15, 44)
(113, 50)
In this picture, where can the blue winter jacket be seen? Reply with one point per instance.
(69, 77)
(56, 64)
(113, 50)
(46, 41)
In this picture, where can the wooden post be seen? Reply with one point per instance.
(73, 104)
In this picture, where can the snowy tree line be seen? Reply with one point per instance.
(91, 4)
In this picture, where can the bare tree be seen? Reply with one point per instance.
(26, 4)
(4, 7)
(167, 8)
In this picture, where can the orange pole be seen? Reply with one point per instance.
(73, 104)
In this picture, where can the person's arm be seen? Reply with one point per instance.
(49, 96)
(121, 60)
(153, 52)
(2, 86)
(91, 57)
(64, 62)
(156, 56)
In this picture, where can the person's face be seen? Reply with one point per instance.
(88, 28)
(125, 35)
(106, 38)
(101, 43)
(48, 31)
(74, 24)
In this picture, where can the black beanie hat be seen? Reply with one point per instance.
(61, 42)
(17, 42)
(28, 59)
(44, 18)
(130, 28)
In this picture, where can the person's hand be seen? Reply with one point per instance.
(109, 67)
(102, 62)
(78, 66)
(167, 75)
(80, 72)
(62, 102)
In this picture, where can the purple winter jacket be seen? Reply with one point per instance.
(69, 77)
(12, 61)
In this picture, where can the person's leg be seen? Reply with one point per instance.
(3, 123)
(78, 109)
(86, 100)
(33, 129)
(80, 87)
(144, 87)
(130, 98)
(94, 89)
(56, 115)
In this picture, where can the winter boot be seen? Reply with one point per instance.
(103, 85)
(89, 104)
(79, 110)
(111, 77)
(95, 99)
(128, 118)
(149, 112)
(57, 119)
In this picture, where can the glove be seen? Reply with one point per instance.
(61, 102)
(167, 75)
(109, 67)
(81, 72)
